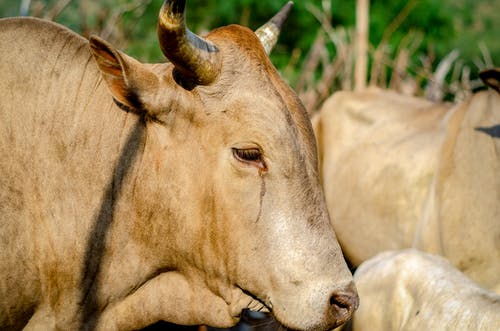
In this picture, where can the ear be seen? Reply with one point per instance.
(127, 78)
(491, 77)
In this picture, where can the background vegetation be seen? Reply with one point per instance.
(433, 48)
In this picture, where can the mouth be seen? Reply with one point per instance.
(255, 303)
(258, 313)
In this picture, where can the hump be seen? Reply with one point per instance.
(35, 32)
(34, 47)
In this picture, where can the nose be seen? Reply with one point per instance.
(343, 303)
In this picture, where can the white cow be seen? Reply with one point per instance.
(401, 172)
(412, 290)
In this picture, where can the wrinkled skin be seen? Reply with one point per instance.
(118, 213)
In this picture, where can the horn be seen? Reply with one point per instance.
(195, 58)
(269, 32)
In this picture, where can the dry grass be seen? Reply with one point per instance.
(323, 72)
(329, 65)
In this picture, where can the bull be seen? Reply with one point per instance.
(183, 191)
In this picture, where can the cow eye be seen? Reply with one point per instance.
(251, 156)
(247, 154)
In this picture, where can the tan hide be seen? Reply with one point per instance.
(132, 193)
(402, 172)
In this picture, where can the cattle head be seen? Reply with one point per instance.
(227, 193)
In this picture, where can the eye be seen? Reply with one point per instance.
(247, 154)
(251, 156)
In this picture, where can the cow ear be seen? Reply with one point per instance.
(491, 77)
(121, 73)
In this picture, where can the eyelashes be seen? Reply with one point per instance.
(247, 154)
(251, 156)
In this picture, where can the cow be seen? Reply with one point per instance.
(400, 171)
(183, 191)
(412, 290)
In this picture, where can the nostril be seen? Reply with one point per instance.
(344, 301)
(342, 306)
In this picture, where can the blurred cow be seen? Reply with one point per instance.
(412, 290)
(402, 172)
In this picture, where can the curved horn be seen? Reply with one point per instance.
(195, 58)
(269, 32)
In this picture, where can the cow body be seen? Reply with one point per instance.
(132, 193)
(402, 172)
(412, 290)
